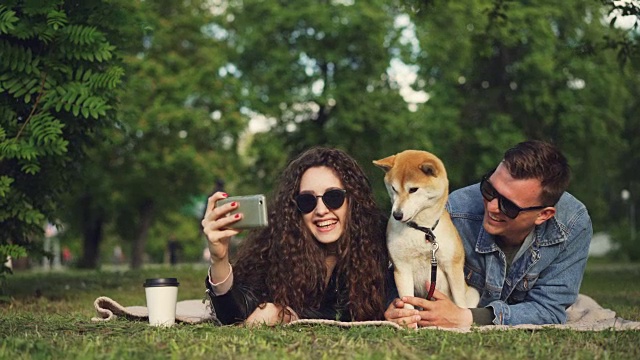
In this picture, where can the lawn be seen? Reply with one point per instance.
(49, 316)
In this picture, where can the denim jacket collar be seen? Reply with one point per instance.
(552, 230)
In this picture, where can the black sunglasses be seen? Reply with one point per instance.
(333, 199)
(505, 205)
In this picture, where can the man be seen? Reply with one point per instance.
(526, 242)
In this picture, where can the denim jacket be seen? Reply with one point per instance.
(541, 283)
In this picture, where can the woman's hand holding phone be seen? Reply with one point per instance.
(225, 217)
(217, 227)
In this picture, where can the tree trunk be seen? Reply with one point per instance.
(146, 218)
(92, 234)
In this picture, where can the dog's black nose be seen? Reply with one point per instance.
(397, 215)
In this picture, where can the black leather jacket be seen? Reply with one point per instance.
(240, 301)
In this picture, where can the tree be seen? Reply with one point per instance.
(58, 72)
(627, 43)
(319, 74)
(521, 71)
(178, 121)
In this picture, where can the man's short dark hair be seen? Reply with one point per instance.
(543, 161)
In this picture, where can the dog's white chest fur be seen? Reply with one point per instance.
(411, 253)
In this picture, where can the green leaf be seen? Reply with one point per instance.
(12, 250)
(56, 19)
(31, 168)
(5, 185)
(8, 19)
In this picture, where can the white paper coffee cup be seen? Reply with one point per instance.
(162, 295)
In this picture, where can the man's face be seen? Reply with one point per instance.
(523, 193)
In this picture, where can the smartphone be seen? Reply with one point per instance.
(253, 209)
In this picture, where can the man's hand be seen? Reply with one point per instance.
(441, 312)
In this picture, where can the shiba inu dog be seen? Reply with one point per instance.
(419, 188)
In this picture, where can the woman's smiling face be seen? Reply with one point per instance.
(325, 224)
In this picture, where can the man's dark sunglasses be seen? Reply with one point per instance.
(333, 199)
(505, 205)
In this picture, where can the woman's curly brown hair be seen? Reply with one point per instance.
(287, 264)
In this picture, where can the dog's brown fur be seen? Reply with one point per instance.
(419, 188)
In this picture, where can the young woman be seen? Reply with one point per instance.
(322, 256)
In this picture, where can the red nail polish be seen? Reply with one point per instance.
(233, 204)
(237, 216)
(225, 195)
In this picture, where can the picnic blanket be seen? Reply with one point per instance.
(585, 315)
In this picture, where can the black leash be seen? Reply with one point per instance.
(430, 237)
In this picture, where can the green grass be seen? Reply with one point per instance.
(49, 316)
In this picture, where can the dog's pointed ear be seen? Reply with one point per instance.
(385, 164)
(429, 169)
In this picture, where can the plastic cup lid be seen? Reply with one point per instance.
(161, 282)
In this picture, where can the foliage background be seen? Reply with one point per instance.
(118, 118)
